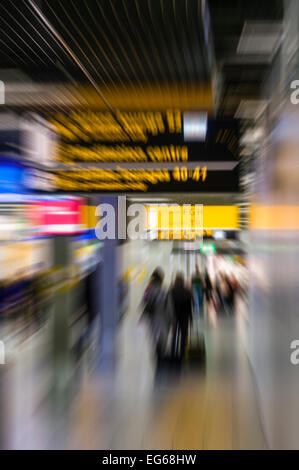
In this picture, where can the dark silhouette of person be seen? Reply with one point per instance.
(182, 301)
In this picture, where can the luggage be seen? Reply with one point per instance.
(196, 349)
(167, 360)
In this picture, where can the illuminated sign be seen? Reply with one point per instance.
(195, 126)
(197, 219)
(12, 175)
(145, 151)
(221, 217)
(143, 137)
(208, 249)
(175, 222)
(58, 216)
(122, 179)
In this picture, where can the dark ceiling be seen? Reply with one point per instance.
(243, 77)
(119, 42)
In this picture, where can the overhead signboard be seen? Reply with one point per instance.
(145, 151)
(175, 222)
(190, 222)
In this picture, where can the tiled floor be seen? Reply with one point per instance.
(133, 408)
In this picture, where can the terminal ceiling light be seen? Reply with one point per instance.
(252, 136)
(260, 38)
(250, 109)
(195, 126)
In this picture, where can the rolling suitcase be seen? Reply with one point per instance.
(167, 359)
(196, 349)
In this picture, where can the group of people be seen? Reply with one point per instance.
(170, 312)
(220, 294)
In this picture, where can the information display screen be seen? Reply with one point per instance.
(145, 151)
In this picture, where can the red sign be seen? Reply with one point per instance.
(59, 216)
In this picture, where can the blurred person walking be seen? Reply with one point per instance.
(157, 311)
(225, 294)
(232, 287)
(208, 290)
(221, 293)
(182, 301)
(198, 291)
